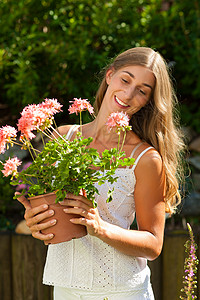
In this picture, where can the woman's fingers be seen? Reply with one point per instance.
(77, 210)
(80, 221)
(36, 210)
(77, 204)
(36, 215)
(36, 227)
(89, 218)
(78, 201)
(43, 237)
(42, 226)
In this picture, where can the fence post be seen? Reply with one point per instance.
(156, 276)
(28, 257)
(173, 264)
(5, 267)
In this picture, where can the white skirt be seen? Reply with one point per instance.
(61, 293)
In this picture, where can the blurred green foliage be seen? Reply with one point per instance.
(6, 202)
(54, 48)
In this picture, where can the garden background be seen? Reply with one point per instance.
(56, 49)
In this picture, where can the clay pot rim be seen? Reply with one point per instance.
(41, 196)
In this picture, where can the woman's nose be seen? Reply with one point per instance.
(130, 92)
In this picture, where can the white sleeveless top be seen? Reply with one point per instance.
(90, 264)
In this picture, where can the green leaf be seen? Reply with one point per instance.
(110, 195)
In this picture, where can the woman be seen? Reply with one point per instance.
(111, 261)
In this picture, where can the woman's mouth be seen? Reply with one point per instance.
(120, 102)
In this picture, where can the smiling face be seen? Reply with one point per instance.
(129, 88)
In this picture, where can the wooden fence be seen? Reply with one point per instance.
(22, 259)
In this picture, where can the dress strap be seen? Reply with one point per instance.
(140, 155)
(133, 152)
(71, 131)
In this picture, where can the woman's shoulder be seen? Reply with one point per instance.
(64, 129)
(150, 160)
(142, 148)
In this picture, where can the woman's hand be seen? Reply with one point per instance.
(80, 205)
(34, 216)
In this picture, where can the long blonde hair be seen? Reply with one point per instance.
(156, 123)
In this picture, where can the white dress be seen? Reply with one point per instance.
(89, 264)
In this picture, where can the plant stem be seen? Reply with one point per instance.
(123, 141)
(118, 146)
(31, 175)
(48, 131)
(30, 182)
(55, 124)
(33, 149)
(80, 123)
(56, 131)
(49, 136)
(42, 138)
(44, 133)
(27, 144)
(118, 142)
(29, 149)
(18, 144)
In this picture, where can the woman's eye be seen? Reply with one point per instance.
(124, 80)
(142, 92)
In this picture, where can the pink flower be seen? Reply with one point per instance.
(2, 146)
(51, 106)
(10, 166)
(6, 133)
(192, 249)
(37, 116)
(33, 117)
(118, 119)
(191, 273)
(27, 122)
(80, 105)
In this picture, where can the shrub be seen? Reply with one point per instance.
(53, 49)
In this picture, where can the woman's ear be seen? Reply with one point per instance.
(109, 74)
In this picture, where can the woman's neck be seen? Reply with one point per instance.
(100, 133)
(98, 130)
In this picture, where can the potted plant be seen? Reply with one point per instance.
(62, 166)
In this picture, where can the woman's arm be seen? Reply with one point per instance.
(150, 211)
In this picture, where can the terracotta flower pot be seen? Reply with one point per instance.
(64, 230)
